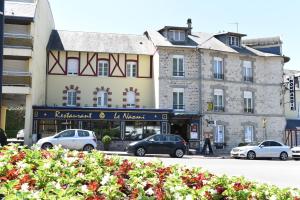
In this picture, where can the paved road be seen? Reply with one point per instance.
(276, 172)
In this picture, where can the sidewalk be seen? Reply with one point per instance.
(123, 153)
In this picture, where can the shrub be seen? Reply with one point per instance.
(106, 139)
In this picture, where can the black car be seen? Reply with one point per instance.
(170, 144)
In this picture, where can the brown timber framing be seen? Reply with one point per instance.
(89, 63)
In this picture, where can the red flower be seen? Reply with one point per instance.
(238, 186)
(16, 158)
(12, 174)
(81, 155)
(46, 154)
(159, 192)
(220, 189)
(134, 194)
(93, 186)
(109, 162)
(26, 179)
(208, 195)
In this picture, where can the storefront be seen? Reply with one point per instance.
(121, 124)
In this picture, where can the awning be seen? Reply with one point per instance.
(292, 124)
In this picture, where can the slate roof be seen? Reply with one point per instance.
(100, 42)
(204, 40)
(19, 9)
(262, 41)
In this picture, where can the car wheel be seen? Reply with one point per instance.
(140, 151)
(251, 155)
(47, 145)
(179, 153)
(283, 156)
(88, 147)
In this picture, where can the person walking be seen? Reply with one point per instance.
(207, 143)
(3, 137)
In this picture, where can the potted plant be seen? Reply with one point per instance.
(106, 140)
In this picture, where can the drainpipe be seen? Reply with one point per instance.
(200, 96)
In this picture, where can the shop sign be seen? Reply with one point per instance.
(292, 93)
(194, 131)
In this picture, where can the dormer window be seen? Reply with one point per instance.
(176, 35)
(234, 41)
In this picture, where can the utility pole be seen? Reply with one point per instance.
(1, 49)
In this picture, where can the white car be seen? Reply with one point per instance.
(20, 134)
(296, 152)
(71, 139)
(265, 149)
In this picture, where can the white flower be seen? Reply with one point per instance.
(273, 197)
(36, 195)
(105, 179)
(84, 188)
(212, 191)
(150, 192)
(24, 187)
(21, 165)
(189, 197)
(47, 165)
(80, 175)
(57, 186)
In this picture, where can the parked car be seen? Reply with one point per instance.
(20, 134)
(265, 149)
(296, 152)
(170, 144)
(71, 139)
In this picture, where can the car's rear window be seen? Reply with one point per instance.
(83, 133)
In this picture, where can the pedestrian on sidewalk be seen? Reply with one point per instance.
(3, 137)
(207, 143)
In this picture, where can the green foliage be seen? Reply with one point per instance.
(106, 139)
(15, 121)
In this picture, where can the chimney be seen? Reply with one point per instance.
(189, 23)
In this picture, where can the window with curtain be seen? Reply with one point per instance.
(248, 71)
(130, 99)
(71, 97)
(218, 68)
(218, 100)
(72, 66)
(103, 68)
(248, 102)
(131, 68)
(102, 99)
(178, 65)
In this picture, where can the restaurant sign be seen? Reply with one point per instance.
(100, 115)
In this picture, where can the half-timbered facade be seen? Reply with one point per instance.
(101, 73)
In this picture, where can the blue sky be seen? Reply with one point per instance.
(256, 18)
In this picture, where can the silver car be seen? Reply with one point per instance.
(71, 139)
(265, 149)
(296, 153)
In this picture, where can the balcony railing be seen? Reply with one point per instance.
(248, 110)
(178, 106)
(16, 78)
(248, 78)
(178, 73)
(219, 108)
(219, 76)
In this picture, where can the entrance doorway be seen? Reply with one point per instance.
(180, 127)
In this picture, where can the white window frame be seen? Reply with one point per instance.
(71, 97)
(178, 58)
(218, 92)
(178, 35)
(177, 92)
(131, 100)
(103, 67)
(248, 95)
(249, 134)
(72, 70)
(234, 41)
(247, 69)
(102, 98)
(219, 134)
(131, 69)
(218, 68)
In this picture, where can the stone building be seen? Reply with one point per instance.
(228, 87)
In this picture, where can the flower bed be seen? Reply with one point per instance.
(64, 174)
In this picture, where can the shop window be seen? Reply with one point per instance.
(141, 130)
